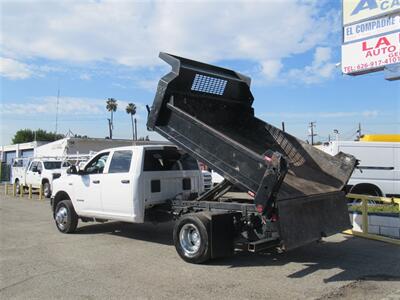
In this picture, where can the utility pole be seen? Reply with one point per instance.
(336, 132)
(359, 132)
(311, 130)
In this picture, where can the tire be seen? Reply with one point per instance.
(46, 189)
(366, 189)
(17, 187)
(192, 239)
(65, 217)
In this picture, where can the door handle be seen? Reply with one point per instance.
(125, 181)
(96, 181)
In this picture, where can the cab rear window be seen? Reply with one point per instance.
(168, 160)
(120, 162)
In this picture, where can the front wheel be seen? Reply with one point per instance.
(17, 187)
(65, 217)
(47, 189)
(191, 239)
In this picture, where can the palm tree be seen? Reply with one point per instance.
(111, 107)
(131, 109)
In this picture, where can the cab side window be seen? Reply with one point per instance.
(120, 162)
(39, 166)
(33, 165)
(96, 166)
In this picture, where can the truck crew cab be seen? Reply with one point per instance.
(122, 183)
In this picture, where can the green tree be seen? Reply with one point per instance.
(111, 107)
(131, 109)
(28, 135)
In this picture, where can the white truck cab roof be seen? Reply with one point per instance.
(141, 144)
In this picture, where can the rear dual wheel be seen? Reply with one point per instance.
(192, 239)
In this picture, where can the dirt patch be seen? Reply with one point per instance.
(369, 287)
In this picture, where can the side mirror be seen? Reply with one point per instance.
(72, 170)
(39, 171)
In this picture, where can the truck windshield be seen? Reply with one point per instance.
(168, 160)
(50, 165)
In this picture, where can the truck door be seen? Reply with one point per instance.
(32, 175)
(117, 186)
(87, 186)
(38, 176)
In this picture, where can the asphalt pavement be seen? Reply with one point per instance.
(138, 261)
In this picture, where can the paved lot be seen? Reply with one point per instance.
(115, 260)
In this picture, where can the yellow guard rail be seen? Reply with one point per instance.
(364, 213)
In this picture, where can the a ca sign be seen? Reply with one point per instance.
(357, 10)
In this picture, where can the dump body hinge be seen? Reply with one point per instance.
(271, 182)
(216, 192)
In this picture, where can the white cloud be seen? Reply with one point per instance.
(321, 56)
(85, 76)
(13, 69)
(271, 69)
(320, 69)
(67, 106)
(48, 105)
(148, 84)
(119, 85)
(132, 33)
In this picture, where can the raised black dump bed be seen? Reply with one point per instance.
(207, 111)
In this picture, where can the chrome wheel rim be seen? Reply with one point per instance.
(189, 239)
(62, 218)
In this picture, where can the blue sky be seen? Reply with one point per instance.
(92, 50)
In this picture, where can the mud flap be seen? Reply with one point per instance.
(222, 234)
(307, 219)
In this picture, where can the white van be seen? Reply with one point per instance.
(378, 172)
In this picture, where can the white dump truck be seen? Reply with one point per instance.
(207, 111)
